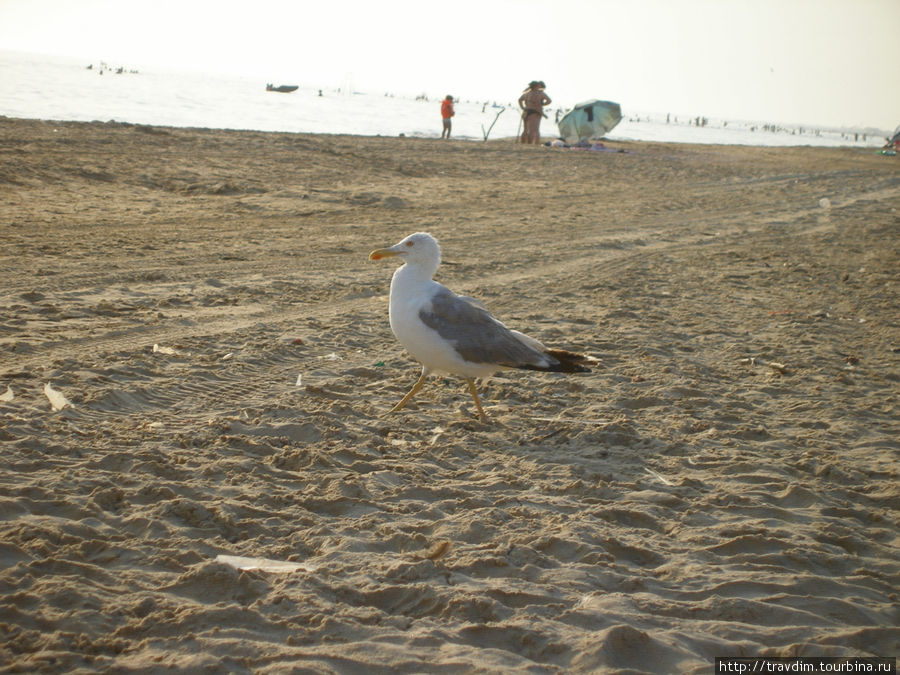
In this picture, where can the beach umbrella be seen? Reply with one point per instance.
(591, 119)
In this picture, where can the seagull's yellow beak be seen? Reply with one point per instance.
(380, 253)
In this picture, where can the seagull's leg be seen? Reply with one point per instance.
(412, 392)
(474, 393)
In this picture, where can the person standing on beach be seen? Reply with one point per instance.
(532, 102)
(446, 113)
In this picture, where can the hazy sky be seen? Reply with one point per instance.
(829, 62)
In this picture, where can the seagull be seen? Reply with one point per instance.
(455, 334)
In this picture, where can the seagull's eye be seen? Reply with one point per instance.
(410, 243)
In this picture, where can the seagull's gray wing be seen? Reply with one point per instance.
(476, 335)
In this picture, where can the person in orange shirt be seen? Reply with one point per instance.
(446, 113)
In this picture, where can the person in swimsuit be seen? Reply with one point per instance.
(446, 113)
(532, 102)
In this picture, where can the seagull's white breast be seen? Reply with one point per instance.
(409, 296)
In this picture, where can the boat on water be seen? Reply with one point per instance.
(283, 88)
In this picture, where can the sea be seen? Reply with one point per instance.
(60, 88)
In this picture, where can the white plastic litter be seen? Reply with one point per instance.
(7, 395)
(163, 350)
(300, 380)
(56, 398)
(661, 479)
(263, 564)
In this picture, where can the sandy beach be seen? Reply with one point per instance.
(196, 362)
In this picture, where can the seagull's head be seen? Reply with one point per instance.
(416, 249)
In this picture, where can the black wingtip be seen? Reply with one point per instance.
(569, 362)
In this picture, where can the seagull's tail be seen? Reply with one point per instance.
(570, 362)
(565, 362)
(561, 360)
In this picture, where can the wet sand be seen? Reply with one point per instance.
(724, 482)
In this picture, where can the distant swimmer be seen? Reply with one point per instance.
(532, 102)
